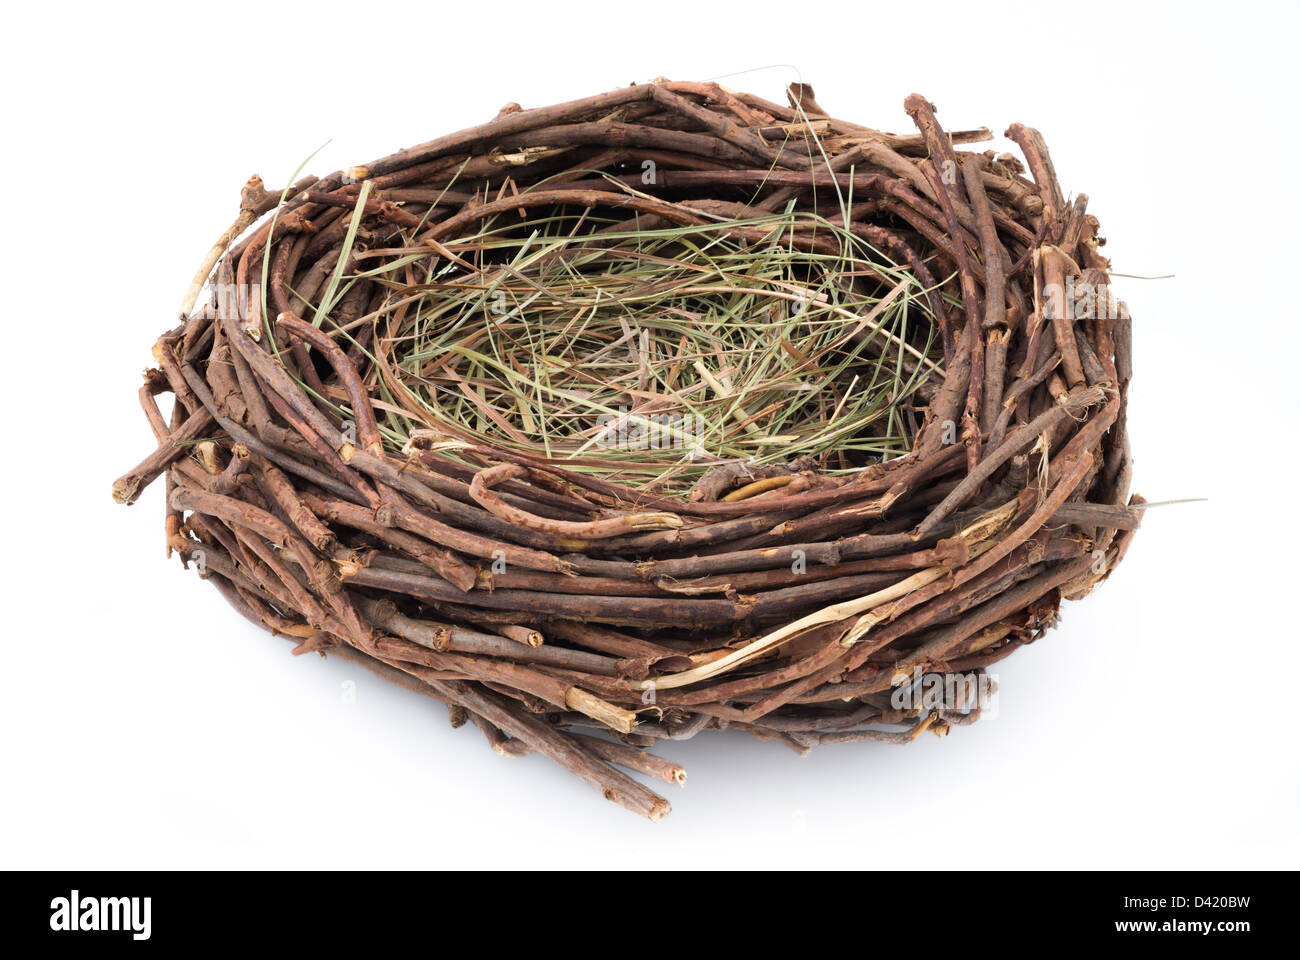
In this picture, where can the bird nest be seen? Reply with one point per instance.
(663, 411)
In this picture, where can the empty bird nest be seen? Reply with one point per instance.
(663, 411)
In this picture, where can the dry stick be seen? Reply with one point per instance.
(278, 489)
(1054, 300)
(922, 112)
(226, 483)
(1011, 404)
(170, 366)
(481, 490)
(461, 640)
(995, 308)
(279, 267)
(516, 579)
(252, 199)
(605, 640)
(1031, 144)
(172, 518)
(529, 638)
(127, 488)
(446, 637)
(633, 759)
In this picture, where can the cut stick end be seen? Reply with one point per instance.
(125, 490)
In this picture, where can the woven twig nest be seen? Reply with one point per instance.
(664, 411)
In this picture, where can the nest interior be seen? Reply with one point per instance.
(667, 410)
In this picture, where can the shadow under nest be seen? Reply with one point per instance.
(662, 411)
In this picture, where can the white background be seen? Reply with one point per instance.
(144, 724)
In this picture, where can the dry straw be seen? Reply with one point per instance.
(666, 410)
